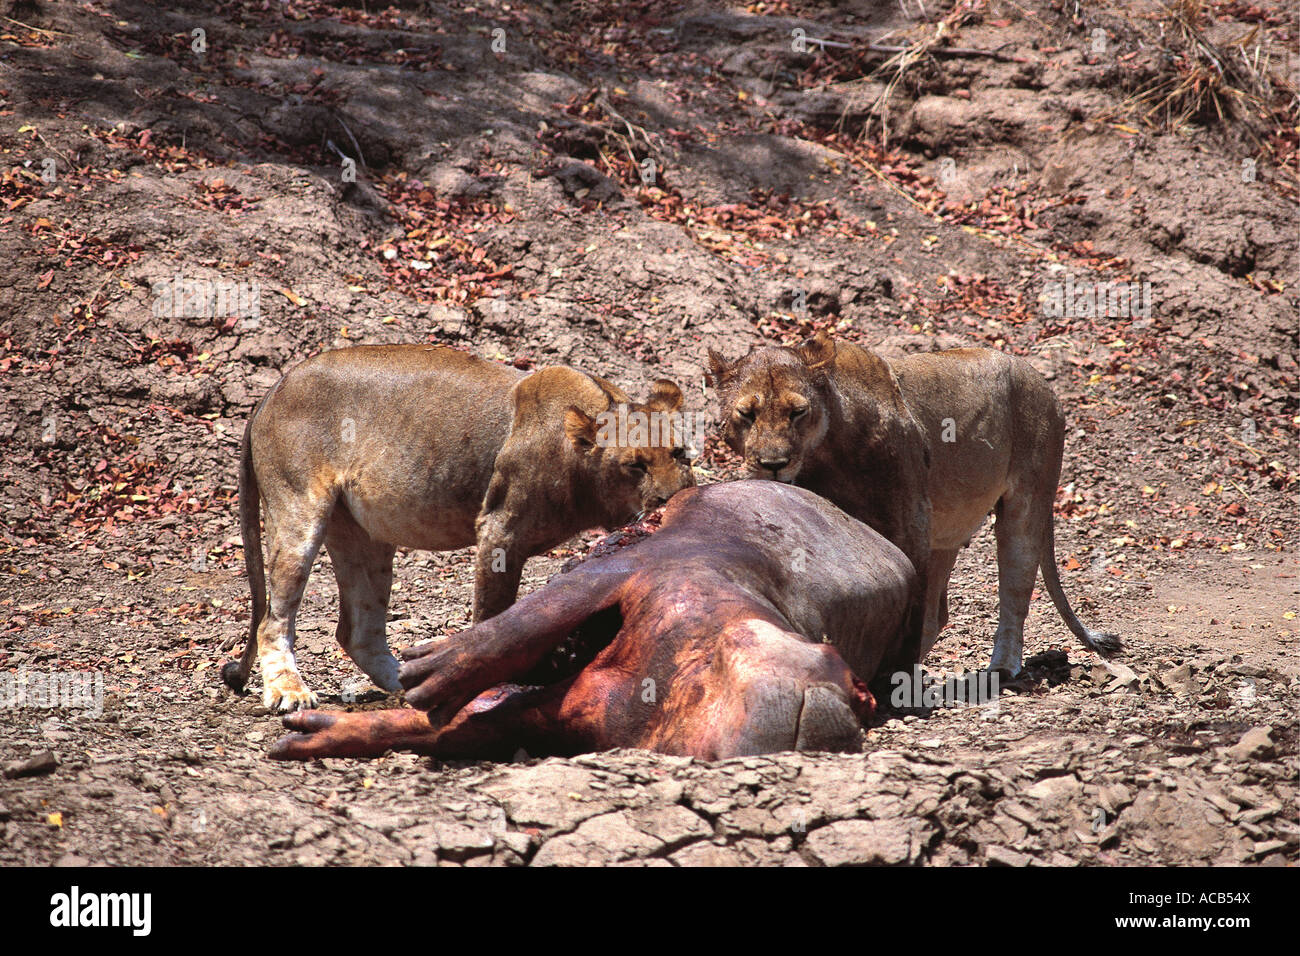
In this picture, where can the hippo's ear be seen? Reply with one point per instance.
(665, 396)
(580, 428)
(720, 370)
(818, 352)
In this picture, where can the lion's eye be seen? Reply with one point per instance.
(637, 466)
(747, 414)
(798, 413)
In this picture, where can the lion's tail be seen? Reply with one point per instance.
(235, 673)
(1105, 643)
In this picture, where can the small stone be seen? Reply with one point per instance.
(514, 841)
(1268, 846)
(34, 766)
(1261, 814)
(1018, 811)
(1252, 831)
(1255, 744)
(459, 843)
(1125, 678)
(1114, 797)
(860, 843)
(1247, 670)
(1223, 803)
(1181, 681)
(1003, 856)
(1243, 796)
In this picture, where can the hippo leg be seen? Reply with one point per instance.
(443, 677)
(492, 726)
(320, 733)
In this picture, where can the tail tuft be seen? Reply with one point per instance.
(234, 676)
(1103, 642)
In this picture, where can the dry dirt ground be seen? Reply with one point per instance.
(616, 186)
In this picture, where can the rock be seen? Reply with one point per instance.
(671, 825)
(1018, 811)
(551, 795)
(599, 841)
(458, 842)
(706, 854)
(1248, 670)
(1255, 744)
(1114, 798)
(1175, 820)
(861, 843)
(1228, 808)
(1244, 797)
(761, 822)
(374, 818)
(36, 765)
(515, 841)
(1053, 789)
(1125, 678)
(997, 855)
(1268, 846)
(1262, 813)
(1180, 681)
(584, 181)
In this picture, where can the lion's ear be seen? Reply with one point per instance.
(719, 369)
(818, 352)
(665, 396)
(580, 428)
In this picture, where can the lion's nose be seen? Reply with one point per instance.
(774, 464)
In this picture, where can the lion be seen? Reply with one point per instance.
(372, 448)
(824, 416)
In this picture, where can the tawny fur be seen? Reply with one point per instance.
(835, 418)
(373, 448)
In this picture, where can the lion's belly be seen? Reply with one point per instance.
(953, 524)
(410, 499)
(971, 442)
(412, 524)
(965, 485)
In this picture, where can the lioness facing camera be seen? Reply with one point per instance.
(372, 448)
(996, 437)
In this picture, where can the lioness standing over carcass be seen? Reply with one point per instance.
(372, 448)
(996, 437)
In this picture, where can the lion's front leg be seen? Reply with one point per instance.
(498, 566)
(910, 532)
(936, 595)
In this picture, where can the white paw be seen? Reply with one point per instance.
(382, 669)
(287, 692)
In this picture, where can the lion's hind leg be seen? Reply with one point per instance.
(1016, 530)
(295, 540)
(363, 568)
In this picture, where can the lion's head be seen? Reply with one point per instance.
(636, 453)
(774, 405)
